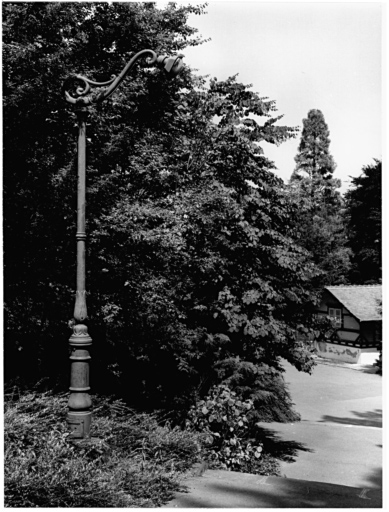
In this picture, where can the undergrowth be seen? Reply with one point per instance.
(132, 459)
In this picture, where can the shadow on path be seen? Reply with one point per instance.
(279, 448)
(375, 479)
(365, 419)
(223, 489)
(233, 496)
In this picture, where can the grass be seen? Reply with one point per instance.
(132, 460)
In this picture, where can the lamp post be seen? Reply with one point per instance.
(79, 414)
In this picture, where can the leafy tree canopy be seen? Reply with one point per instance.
(193, 276)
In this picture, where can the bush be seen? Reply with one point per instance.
(228, 428)
(135, 461)
(262, 384)
(378, 364)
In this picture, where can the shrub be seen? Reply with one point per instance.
(228, 430)
(262, 384)
(378, 364)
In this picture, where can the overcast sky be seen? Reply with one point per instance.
(305, 56)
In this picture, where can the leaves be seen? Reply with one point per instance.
(234, 443)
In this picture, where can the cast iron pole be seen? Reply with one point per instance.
(79, 414)
(80, 403)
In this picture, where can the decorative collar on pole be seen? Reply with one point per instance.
(171, 65)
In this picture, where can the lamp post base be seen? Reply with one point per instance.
(79, 424)
(80, 403)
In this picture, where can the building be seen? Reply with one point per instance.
(356, 313)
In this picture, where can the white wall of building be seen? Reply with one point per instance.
(345, 354)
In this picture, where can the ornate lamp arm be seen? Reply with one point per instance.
(172, 66)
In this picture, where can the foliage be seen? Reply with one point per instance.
(44, 43)
(134, 461)
(378, 363)
(194, 277)
(363, 207)
(229, 428)
(210, 284)
(319, 224)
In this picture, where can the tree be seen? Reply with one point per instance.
(206, 257)
(194, 278)
(313, 158)
(320, 220)
(44, 43)
(363, 209)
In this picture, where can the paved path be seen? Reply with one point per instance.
(334, 453)
(339, 437)
(227, 489)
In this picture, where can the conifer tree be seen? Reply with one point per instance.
(314, 157)
(319, 224)
(363, 206)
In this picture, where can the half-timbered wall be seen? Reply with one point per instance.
(354, 341)
(350, 328)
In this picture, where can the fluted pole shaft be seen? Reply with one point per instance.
(79, 415)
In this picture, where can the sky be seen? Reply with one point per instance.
(303, 55)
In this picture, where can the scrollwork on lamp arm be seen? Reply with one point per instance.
(172, 66)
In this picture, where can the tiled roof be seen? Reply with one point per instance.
(364, 302)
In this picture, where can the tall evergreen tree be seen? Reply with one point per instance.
(314, 158)
(363, 207)
(319, 223)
